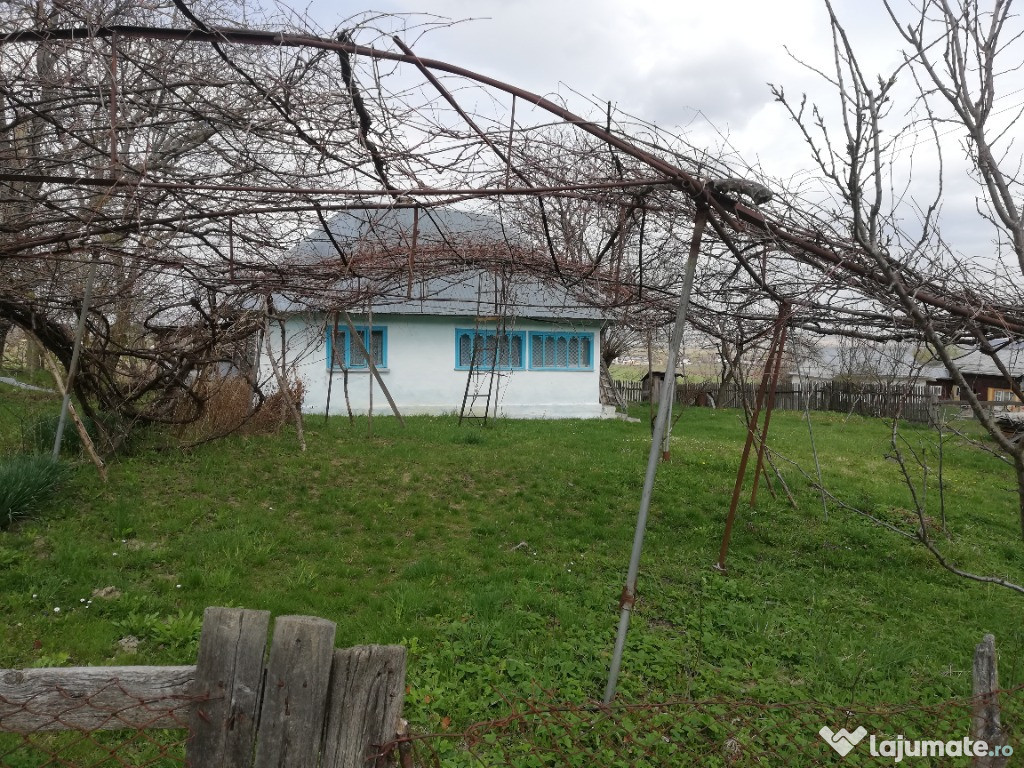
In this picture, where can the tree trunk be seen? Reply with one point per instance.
(5, 328)
(33, 355)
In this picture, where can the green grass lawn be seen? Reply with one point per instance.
(497, 556)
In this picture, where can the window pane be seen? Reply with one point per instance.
(465, 349)
(377, 347)
(355, 354)
(503, 351)
(374, 342)
(490, 350)
(561, 351)
(337, 344)
(516, 351)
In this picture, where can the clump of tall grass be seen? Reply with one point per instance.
(40, 433)
(225, 405)
(27, 482)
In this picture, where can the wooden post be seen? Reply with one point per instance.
(230, 671)
(313, 706)
(364, 706)
(83, 433)
(985, 712)
(295, 693)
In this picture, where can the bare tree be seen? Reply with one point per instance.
(183, 153)
(957, 58)
(134, 156)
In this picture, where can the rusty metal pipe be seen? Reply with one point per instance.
(742, 470)
(770, 405)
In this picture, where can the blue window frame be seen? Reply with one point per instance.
(561, 351)
(342, 352)
(489, 349)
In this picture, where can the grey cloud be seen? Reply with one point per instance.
(727, 90)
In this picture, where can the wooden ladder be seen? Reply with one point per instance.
(484, 377)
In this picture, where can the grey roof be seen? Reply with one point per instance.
(443, 284)
(391, 230)
(469, 293)
(481, 292)
(893, 363)
(977, 363)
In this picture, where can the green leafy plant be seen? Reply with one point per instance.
(26, 483)
(55, 659)
(179, 631)
(9, 557)
(142, 625)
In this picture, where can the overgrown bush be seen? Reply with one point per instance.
(226, 405)
(26, 483)
(274, 411)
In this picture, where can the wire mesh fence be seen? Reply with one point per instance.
(719, 732)
(307, 703)
(912, 403)
(108, 749)
(103, 723)
(113, 726)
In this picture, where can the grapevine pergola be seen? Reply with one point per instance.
(159, 162)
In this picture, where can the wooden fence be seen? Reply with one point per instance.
(308, 704)
(910, 403)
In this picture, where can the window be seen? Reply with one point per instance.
(343, 352)
(489, 349)
(1002, 396)
(562, 351)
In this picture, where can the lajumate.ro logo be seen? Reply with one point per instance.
(900, 747)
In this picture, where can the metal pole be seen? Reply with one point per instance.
(76, 353)
(666, 440)
(660, 422)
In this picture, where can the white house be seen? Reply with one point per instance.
(537, 343)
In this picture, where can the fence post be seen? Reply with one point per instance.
(295, 693)
(365, 701)
(230, 671)
(985, 710)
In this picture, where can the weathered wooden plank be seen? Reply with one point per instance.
(985, 720)
(229, 671)
(95, 698)
(364, 705)
(295, 693)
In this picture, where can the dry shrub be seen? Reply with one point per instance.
(275, 412)
(228, 407)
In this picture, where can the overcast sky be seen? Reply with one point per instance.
(676, 63)
(703, 67)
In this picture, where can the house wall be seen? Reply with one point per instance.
(984, 387)
(421, 372)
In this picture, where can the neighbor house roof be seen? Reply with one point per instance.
(660, 374)
(974, 362)
(463, 264)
